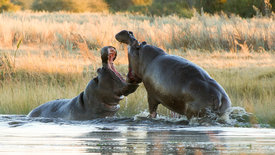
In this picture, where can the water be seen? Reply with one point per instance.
(19, 134)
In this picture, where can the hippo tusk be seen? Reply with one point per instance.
(121, 97)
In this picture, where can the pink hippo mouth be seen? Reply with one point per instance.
(111, 57)
(132, 78)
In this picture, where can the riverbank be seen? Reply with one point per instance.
(249, 80)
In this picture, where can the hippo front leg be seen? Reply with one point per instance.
(153, 106)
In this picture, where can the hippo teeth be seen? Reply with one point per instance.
(111, 57)
(117, 74)
(111, 66)
(121, 97)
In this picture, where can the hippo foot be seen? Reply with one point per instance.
(152, 115)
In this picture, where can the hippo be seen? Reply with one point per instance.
(175, 82)
(100, 98)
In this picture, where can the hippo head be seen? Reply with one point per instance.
(128, 38)
(108, 55)
(109, 79)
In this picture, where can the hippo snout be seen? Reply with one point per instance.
(127, 37)
(123, 37)
(130, 89)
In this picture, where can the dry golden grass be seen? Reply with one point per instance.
(77, 63)
(249, 80)
(64, 30)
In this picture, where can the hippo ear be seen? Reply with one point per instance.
(144, 43)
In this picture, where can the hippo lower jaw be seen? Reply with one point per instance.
(111, 107)
(111, 57)
(132, 78)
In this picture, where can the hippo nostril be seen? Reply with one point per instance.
(117, 37)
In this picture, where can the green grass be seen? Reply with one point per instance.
(251, 88)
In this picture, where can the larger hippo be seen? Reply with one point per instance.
(173, 81)
(99, 99)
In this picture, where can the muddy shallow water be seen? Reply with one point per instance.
(20, 134)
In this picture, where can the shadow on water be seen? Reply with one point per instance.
(138, 134)
(158, 141)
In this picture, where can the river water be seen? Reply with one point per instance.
(128, 135)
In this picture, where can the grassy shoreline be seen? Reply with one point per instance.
(251, 84)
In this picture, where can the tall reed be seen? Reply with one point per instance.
(202, 32)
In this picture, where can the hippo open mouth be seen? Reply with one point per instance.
(111, 107)
(130, 76)
(111, 57)
(133, 78)
(127, 37)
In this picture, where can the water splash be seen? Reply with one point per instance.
(126, 102)
(240, 118)
(235, 117)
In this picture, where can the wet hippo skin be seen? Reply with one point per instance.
(172, 81)
(100, 98)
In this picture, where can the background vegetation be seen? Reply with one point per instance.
(182, 8)
(6, 5)
(65, 31)
(59, 54)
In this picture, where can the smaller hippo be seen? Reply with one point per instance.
(172, 81)
(100, 98)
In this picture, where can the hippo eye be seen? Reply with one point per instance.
(131, 32)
